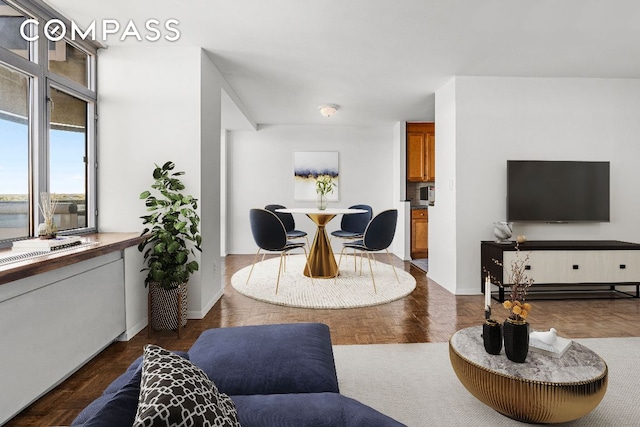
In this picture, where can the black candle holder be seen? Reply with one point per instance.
(492, 336)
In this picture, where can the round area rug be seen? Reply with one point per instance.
(350, 290)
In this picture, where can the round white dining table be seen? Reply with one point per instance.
(322, 263)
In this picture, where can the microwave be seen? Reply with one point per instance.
(427, 195)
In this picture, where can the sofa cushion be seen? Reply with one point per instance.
(120, 409)
(268, 359)
(308, 410)
(118, 401)
(173, 391)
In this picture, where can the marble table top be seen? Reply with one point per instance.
(576, 365)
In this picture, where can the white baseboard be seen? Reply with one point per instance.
(132, 332)
(195, 314)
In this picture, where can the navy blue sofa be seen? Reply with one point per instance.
(277, 376)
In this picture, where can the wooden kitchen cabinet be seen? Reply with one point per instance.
(419, 233)
(421, 152)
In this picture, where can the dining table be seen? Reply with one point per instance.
(321, 262)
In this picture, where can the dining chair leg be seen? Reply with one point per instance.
(335, 279)
(391, 262)
(355, 260)
(375, 291)
(252, 265)
(306, 257)
(282, 254)
(340, 258)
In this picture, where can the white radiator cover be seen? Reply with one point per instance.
(55, 322)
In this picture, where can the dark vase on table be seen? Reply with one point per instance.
(492, 336)
(516, 339)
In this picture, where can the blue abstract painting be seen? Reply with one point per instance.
(308, 166)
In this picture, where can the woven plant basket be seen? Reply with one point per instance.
(164, 306)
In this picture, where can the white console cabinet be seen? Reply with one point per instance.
(564, 263)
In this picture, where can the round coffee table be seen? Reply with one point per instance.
(543, 389)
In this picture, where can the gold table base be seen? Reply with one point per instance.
(527, 400)
(322, 262)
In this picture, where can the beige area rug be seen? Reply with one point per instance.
(416, 385)
(350, 290)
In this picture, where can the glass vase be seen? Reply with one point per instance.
(321, 202)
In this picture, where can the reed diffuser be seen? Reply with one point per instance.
(47, 230)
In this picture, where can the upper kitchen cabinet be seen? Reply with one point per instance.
(421, 152)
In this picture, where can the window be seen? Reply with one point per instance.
(47, 125)
(68, 61)
(67, 158)
(10, 21)
(14, 162)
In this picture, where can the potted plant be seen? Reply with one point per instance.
(169, 240)
(324, 186)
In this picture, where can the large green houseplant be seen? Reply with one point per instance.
(170, 238)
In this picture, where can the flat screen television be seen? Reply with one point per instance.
(557, 191)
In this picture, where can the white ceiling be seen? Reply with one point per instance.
(382, 60)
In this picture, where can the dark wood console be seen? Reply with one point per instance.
(557, 265)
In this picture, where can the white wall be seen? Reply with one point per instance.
(497, 119)
(156, 105)
(402, 242)
(442, 216)
(211, 93)
(260, 171)
(149, 101)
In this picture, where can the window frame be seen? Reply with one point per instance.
(40, 83)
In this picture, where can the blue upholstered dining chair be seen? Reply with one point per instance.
(352, 226)
(289, 223)
(270, 235)
(377, 236)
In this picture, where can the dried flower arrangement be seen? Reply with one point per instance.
(519, 283)
(48, 208)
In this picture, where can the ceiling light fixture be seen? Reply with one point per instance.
(328, 110)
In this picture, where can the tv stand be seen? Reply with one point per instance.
(596, 267)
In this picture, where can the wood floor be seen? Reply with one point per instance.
(429, 314)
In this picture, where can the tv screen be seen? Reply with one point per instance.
(557, 191)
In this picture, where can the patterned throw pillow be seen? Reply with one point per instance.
(176, 393)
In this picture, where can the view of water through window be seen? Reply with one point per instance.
(67, 171)
(14, 154)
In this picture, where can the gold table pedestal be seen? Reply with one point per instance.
(530, 397)
(321, 260)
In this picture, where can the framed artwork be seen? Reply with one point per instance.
(308, 166)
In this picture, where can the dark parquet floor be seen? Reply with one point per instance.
(429, 314)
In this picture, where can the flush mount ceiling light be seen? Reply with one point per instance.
(328, 110)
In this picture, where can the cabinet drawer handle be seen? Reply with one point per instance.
(527, 267)
(623, 266)
(576, 266)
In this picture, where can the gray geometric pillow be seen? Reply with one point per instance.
(174, 392)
